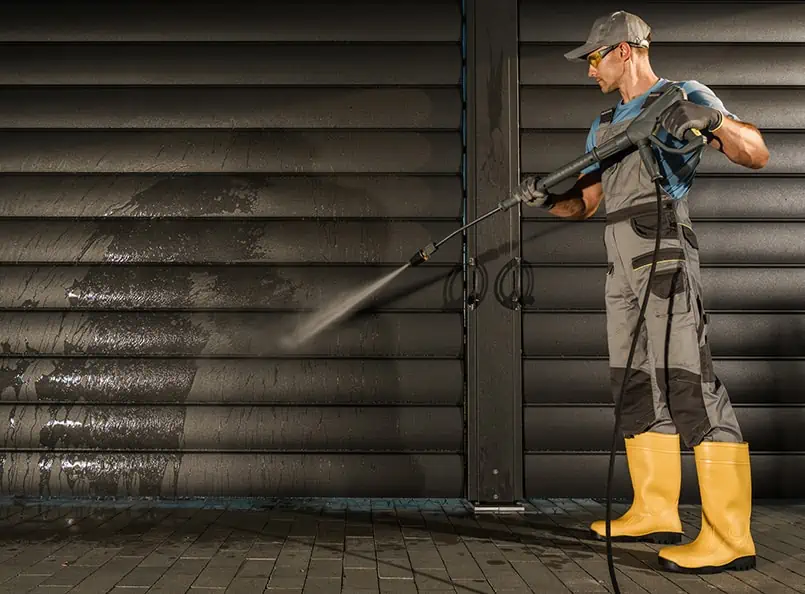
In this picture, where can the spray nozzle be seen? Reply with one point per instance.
(422, 255)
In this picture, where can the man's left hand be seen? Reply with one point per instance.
(682, 116)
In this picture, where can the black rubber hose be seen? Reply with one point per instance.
(640, 320)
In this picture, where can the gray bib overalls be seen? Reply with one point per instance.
(672, 387)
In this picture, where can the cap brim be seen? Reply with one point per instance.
(578, 54)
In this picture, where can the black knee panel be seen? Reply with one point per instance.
(683, 393)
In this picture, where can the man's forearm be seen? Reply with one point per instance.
(579, 202)
(742, 143)
(569, 206)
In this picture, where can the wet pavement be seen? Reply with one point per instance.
(333, 546)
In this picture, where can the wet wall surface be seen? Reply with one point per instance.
(173, 203)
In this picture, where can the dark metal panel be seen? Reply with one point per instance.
(193, 379)
(577, 107)
(228, 287)
(286, 20)
(679, 21)
(219, 151)
(726, 242)
(547, 288)
(494, 405)
(120, 63)
(545, 151)
(737, 197)
(585, 475)
(225, 334)
(229, 107)
(589, 428)
(121, 474)
(228, 242)
(731, 335)
(224, 428)
(230, 195)
(569, 381)
(713, 64)
(291, 382)
(724, 288)
(587, 382)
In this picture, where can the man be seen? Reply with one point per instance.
(672, 388)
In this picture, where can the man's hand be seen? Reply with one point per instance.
(526, 192)
(682, 116)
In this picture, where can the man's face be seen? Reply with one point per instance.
(606, 67)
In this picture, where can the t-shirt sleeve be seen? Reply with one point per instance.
(591, 145)
(701, 94)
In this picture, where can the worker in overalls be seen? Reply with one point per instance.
(672, 389)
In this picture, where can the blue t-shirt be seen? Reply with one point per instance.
(677, 177)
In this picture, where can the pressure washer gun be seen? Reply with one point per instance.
(640, 133)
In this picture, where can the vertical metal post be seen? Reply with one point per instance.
(494, 317)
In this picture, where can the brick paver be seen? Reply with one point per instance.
(361, 546)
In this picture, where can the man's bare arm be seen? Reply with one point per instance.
(742, 143)
(582, 200)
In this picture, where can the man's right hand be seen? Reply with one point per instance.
(526, 192)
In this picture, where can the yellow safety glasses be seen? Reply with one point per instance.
(594, 59)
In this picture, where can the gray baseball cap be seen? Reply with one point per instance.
(612, 29)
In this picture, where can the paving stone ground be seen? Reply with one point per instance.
(360, 546)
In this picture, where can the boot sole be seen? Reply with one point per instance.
(740, 564)
(655, 537)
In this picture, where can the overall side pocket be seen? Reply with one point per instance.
(670, 292)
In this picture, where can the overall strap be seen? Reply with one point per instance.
(654, 95)
(606, 115)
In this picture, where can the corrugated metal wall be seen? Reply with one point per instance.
(749, 223)
(176, 183)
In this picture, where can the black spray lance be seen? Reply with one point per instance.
(640, 133)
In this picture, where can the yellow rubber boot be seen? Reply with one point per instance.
(655, 468)
(725, 540)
